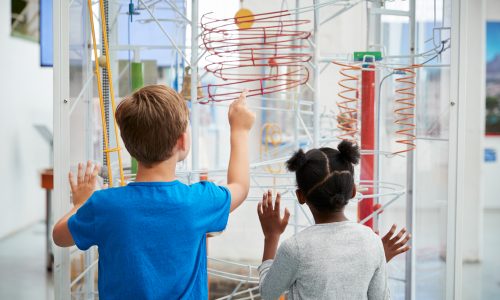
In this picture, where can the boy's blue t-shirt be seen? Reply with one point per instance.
(151, 237)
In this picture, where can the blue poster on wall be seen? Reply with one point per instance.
(46, 35)
(493, 78)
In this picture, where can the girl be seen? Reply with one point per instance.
(335, 258)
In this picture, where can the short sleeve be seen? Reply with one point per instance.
(213, 206)
(82, 225)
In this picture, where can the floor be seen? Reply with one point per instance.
(23, 271)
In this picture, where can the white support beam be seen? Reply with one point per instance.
(316, 75)
(410, 177)
(474, 130)
(195, 118)
(61, 204)
(457, 146)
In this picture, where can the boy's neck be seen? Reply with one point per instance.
(163, 171)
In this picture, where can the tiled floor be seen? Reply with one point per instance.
(23, 273)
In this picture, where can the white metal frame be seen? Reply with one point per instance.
(456, 171)
(61, 138)
(62, 110)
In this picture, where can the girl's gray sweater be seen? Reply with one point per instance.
(341, 260)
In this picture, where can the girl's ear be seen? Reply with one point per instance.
(354, 190)
(300, 196)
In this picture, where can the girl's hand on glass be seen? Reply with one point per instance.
(270, 220)
(395, 245)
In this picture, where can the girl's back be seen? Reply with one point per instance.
(340, 260)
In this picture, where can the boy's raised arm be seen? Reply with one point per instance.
(241, 120)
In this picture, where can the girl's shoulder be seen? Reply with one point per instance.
(338, 230)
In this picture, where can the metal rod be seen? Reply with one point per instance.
(80, 95)
(316, 57)
(410, 181)
(195, 118)
(61, 141)
(167, 34)
(343, 10)
(176, 9)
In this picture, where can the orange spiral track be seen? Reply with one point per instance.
(405, 108)
(347, 119)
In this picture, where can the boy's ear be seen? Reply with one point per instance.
(354, 190)
(300, 196)
(183, 142)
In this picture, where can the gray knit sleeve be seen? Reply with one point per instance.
(378, 288)
(278, 275)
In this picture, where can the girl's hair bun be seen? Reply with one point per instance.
(349, 151)
(297, 161)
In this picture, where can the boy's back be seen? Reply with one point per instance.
(151, 237)
(151, 233)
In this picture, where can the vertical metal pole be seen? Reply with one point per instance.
(410, 180)
(296, 131)
(456, 167)
(61, 140)
(316, 60)
(105, 89)
(374, 37)
(194, 87)
(89, 130)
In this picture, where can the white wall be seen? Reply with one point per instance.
(25, 99)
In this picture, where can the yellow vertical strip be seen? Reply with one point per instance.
(111, 91)
(99, 89)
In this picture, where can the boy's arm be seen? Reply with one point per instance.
(61, 235)
(82, 189)
(238, 178)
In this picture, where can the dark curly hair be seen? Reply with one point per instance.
(325, 175)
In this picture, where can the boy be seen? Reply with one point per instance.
(151, 233)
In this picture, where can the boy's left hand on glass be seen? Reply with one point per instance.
(270, 220)
(85, 183)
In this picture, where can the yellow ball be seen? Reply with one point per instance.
(102, 61)
(244, 18)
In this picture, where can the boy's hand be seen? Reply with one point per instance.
(240, 117)
(394, 246)
(270, 220)
(86, 182)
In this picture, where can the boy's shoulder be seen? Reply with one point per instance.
(198, 187)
